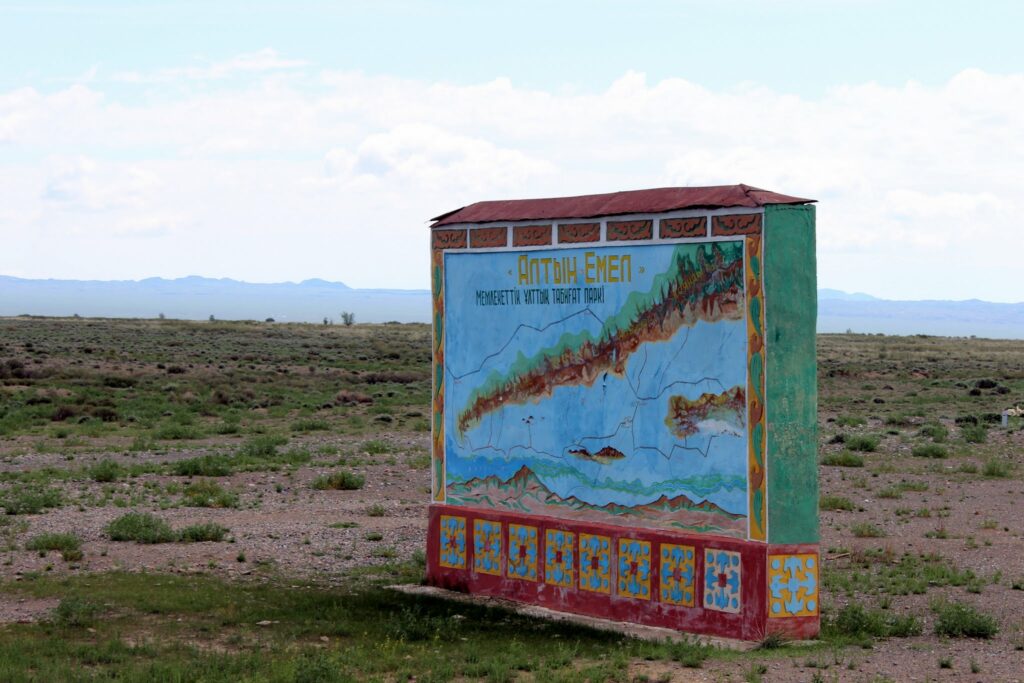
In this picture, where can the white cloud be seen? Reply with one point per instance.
(254, 62)
(334, 174)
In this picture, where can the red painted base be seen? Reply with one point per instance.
(721, 588)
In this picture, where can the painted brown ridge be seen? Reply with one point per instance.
(531, 235)
(578, 232)
(669, 228)
(736, 224)
(449, 239)
(488, 237)
(629, 230)
(656, 200)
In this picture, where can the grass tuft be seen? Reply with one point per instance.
(69, 545)
(959, 620)
(141, 527)
(339, 481)
(106, 471)
(930, 450)
(843, 459)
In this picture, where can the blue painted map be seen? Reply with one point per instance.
(603, 383)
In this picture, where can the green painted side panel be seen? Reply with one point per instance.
(791, 310)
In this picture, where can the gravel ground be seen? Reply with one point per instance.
(282, 530)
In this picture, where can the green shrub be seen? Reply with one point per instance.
(340, 481)
(199, 533)
(974, 433)
(106, 471)
(203, 466)
(375, 447)
(176, 432)
(937, 432)
(690, 655)
(74, 612)
(30, 500)
(835, 503)
(856, 621)
(850, 421)
(867, 530)
(929, 450)
(208, 494)
(843, 459)
(997, 468)
(862, 442)
(310, 425)
(957, 620)
(141, 527)
(263, 446)
(69, 545)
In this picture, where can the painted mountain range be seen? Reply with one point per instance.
(524, 492)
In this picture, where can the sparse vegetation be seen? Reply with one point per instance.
(141, 527)
(959, 620)
(69, 545)
(930, 450)
(339, 481)
(163, 415)
(830, 502)
(843, 459)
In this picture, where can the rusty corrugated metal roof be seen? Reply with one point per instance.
(656, 200)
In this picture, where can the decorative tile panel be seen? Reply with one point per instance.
(595, 563)
(634, 577)
(736, 224)
(522, 552)
(488, 237)
(722, 580)
(449, 239)
(559, 568)
(677, 574)
(793, 585)
(531, 235)
(453, 542)
(669, 228)
(569, 233)
(629, 230)
(487, 546)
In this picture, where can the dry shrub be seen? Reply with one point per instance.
(346, 397)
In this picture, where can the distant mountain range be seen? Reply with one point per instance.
(197, 298)
(841, 312)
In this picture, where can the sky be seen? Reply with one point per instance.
(282, 141)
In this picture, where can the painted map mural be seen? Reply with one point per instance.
(603, 383)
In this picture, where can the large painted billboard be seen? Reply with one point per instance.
(624, 407)
(606, 384)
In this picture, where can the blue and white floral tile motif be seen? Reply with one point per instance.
(793, 585)
(452, 547)
(487, 547)
(677, 574)
(722, 580)
(559, 566)
(522, 552)
(595, 563)
(634, 577)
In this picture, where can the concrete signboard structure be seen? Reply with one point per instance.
(624, 407)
